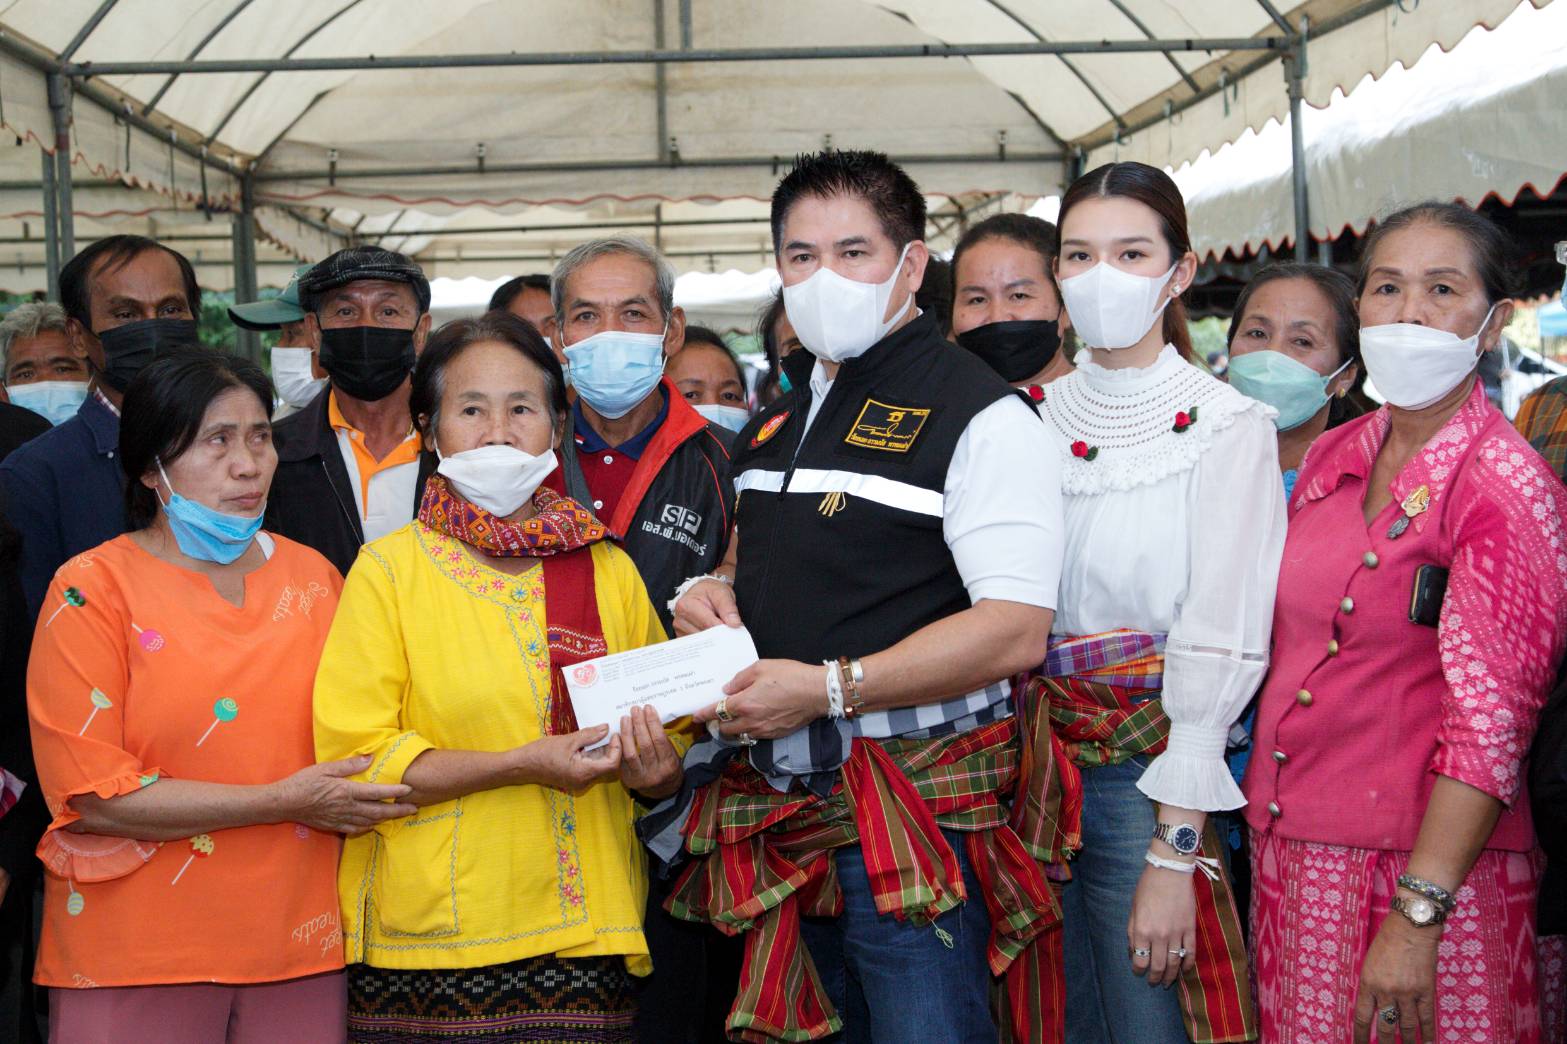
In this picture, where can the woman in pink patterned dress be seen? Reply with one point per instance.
(1421, 613)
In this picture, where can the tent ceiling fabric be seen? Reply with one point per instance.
(1483, 119)
(585, 139)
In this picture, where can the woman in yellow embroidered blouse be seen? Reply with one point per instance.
(512, 902)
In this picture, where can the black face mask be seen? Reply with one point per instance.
(128, 349)
(1016, 350)
(367, 362)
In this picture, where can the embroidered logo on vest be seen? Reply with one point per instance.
(770, 429)
(883, 427)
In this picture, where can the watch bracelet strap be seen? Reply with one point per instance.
(1436, 893)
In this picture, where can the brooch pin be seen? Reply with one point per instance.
(1413, 505)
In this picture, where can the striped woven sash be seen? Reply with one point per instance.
(765, 859)
(1095, 702)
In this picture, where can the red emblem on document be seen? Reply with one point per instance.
(770, 429)
(584, 674)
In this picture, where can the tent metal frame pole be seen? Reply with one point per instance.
(173, 67)
(587, 226)
(247, 341)
(1295, 75)
(778, 164)
(51, 227)
(60, 115)
(660, 86)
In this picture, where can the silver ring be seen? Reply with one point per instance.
(1142, 952)
(1181, 953)
(746, 740)
(1389, 1015)
(722, 710)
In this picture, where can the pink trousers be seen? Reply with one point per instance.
(312, 1010)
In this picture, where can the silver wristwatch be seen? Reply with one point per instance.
(1420, 912)
(1183, 837)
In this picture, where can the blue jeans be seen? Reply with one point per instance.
(1105, 1002)
(897, 982)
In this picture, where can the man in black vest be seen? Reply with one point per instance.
(898, 548)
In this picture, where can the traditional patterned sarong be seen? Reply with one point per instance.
(1096, 702)
(765, 859)
(1315, 909)
(548, 998)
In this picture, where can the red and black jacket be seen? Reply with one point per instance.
(677, 513)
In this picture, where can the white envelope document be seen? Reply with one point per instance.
(676, 678)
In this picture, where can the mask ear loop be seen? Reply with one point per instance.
(165, 503)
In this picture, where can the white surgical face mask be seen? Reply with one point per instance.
(1413, 366)
(1113, 309)
(731, 417)
(498, 479)
(838, 318)
(291, 375)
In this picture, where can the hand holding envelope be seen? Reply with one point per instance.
(675, 678)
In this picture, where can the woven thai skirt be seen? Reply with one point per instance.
(568, 999)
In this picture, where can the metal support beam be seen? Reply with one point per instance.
(777, 164)
(60, 115)
(247, 342)
(87, 30)
(1295, 76)
(660, 88)
(587, 226)
(51, 228)
(170, 67)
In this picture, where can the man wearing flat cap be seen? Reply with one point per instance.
(350, 468)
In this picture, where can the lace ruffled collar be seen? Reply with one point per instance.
(1118, 429)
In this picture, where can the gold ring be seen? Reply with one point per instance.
(1389, 1015)
(722, 710)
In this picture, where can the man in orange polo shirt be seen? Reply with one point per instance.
(349, 465)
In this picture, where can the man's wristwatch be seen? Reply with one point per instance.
(1420, 912)
(1183, 837)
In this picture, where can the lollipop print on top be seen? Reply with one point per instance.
(73, 599)
(201, 847)
(149, 639)
(99, 702)
(223, 710)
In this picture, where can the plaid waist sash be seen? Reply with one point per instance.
(764, 859)
(1095, 702)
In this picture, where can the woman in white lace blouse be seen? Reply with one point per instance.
(1175, 527)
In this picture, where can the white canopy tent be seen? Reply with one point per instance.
(1485, 118)
(484, 136)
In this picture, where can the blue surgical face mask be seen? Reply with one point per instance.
(1289, 386)
(203, 533)
(784, 384)
(54, 401)
(731, 417)
(614, 370)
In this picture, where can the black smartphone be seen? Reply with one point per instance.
(1425, 604)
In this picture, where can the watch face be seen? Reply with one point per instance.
(1421, 911)
(1184, 839)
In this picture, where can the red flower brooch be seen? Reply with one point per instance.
(1185, 419)
(1084, 450)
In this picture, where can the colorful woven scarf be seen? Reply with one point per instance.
(559, 527)
(559, 523)
(764, 860)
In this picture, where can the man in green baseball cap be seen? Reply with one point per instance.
(296, 372)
